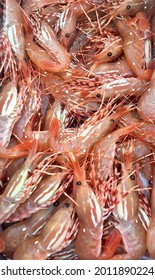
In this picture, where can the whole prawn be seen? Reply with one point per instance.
(88, 244)
(132, 231)
(137, 43)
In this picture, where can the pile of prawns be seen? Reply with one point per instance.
(77, 132)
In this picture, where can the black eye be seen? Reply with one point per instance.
(150, 182)
(78, 183)
(132, 177)
(109, 54)
(56, 203)
(98, 95)
(112, 121)
(66, 204)
(67, 35)
(128, 7)
(60, 169)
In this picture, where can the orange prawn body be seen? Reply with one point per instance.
(14, 28)
(137, 44)
(40, 198)
(17, 189)
(145, 131)
(104, 152)
(88, 244)
(25, 229)
(120, 86)
(120, 67)
(52, 237)
(11, 103)
(44, 59)
(129, 224)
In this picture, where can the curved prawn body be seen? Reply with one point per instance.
(68, 21)
(52, 238)
(120, 68)
(26, 229)
(47, 60)
(15, 191)
(137, 44)
(103, 152)
(146, 103)
(12, 104)
(112, 50)
(40, 198)
(48, 40)
(132, 231)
